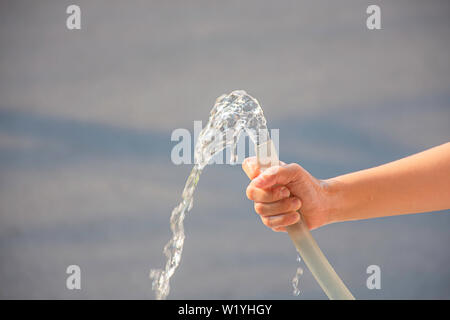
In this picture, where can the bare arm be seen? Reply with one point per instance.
(414, 184)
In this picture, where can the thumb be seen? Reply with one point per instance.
(251, 167)
(278, 175)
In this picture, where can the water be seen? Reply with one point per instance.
(232, 113)
(295, 280)
(174, 248)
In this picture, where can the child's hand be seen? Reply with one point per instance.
(280, 191)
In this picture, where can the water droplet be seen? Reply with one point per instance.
(296, 279)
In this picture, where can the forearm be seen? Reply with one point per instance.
(418, 183)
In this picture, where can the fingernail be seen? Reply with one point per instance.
(296, 202)
(285, 192)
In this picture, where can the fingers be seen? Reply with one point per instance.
(282, 175)
(272, 199)
(278, 222)
(278, 207)
(267, 195)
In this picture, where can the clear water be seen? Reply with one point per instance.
(232, 113)
(295, 280)
(174, 248)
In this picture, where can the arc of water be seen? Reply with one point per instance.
(230, 115)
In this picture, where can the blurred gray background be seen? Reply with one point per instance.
(86, 118)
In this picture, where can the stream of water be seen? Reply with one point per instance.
(232, 113)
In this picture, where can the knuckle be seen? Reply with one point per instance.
(294, 204)
(292, 218)
(293, 170)
(250, 192)
(271, 195)
(268, 222)
(285, 205)
(284, 219)
(259, 208)
(295, 167)
(287, 219)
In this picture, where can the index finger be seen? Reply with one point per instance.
(275, 175)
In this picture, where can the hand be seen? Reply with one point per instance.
(280, 191)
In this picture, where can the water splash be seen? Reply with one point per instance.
(231, 114)
(295, 280)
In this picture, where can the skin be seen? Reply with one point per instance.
(415, 184)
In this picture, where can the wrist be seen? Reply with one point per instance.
(335, 200)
